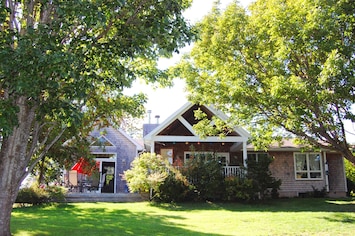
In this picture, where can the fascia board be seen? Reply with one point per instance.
(224, 117)
(163, 138)
(168, 121)
(138, 146)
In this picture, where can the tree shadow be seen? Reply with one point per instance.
(274, 205)
(341, 218)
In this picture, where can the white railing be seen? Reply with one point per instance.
(228, 171)
(233, 171)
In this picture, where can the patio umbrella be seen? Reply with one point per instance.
(84, 167)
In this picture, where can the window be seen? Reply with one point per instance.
(222, 157)
(308, 166)
(256, 156)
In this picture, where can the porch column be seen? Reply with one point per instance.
(245, 154)
(152, 148)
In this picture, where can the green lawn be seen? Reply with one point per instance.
(282, 217)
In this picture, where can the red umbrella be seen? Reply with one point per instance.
(84, 167)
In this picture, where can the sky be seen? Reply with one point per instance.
(164, 102)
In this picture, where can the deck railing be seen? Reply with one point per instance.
(237, 171)
(227, 171)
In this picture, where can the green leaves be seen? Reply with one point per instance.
(284, 65)
(61, 54)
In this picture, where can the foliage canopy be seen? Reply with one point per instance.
(63, 67)
(280, 67)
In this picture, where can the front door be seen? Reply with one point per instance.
(108, 177)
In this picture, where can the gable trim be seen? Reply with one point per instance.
(170, 138)
(153, 135)
(187, 125)
(97, 140)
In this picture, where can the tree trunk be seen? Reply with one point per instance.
(13, 162)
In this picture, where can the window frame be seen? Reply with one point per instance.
(257, 155)
(309, 170)
(217, 155)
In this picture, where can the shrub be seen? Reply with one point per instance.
(175, 188)
(206, 179)
(38, 195)
(264, 185)
(147, 172)
(32, 195)
(350, 175)
(56, 193)
(237, 189)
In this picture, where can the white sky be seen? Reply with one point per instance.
(165, 101)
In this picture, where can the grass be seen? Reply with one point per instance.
(281, 217)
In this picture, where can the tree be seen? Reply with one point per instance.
(64, 63)
(147, 173)
(283, 67)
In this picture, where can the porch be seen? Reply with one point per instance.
(227, 171)
(236, 171)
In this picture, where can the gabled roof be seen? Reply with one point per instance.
(102, 141)
(178, 127)
(121, 132)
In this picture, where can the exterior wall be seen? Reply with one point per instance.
(283, 168)
(124, 150)
(337, 179)
(180, 148)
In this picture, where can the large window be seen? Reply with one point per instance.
(308, 166)
(222, 157)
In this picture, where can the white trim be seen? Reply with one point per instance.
(308, 171)
(170, 119)
(168, 138)
(114, 159)
(138, 146)
(326, 171)
(213, 154)
(245, 153)
(244, 135)
(187, 125)
(98, 138)
(344, 174)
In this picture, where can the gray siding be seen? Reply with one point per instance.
(124, 149)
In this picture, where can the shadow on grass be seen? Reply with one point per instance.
(275, 205)
(93, 219)
(341, 218)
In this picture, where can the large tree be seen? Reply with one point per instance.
(282, 67)
(59, 59)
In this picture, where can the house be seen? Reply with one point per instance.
(299, 171)
(113, 150)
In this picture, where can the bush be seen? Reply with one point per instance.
(264, 185)
(237, 189)
(147, 172)
(32, 195)
(35, 195)
(350, 175)
(206, 179)
(55, 193)
(175, 188)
